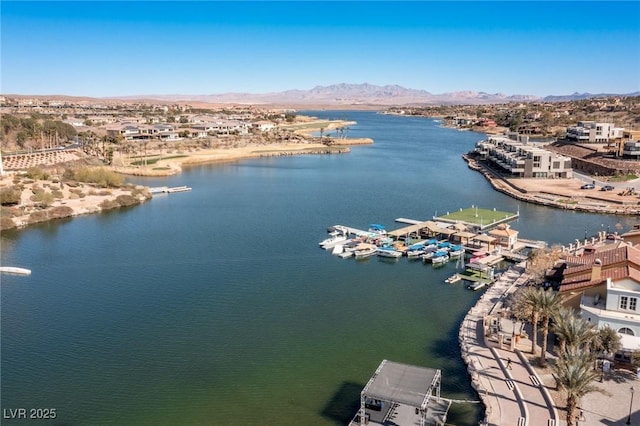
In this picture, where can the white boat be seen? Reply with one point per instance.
(439, 257)
(332, 241)
(337, 250)
(364, 250)
(388, 252)
(453, 279)
(477, 285)
(428, 254)
(455, 251)
(14, 270)
(414, 254)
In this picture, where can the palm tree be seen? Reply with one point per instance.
(607, 340)
(549, 303)
(575, 375)
(573, 331)
(528, 307)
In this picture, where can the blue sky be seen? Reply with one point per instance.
(87, 48)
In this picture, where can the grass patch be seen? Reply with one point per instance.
(622, 178)
(477, 216)
(151, 161)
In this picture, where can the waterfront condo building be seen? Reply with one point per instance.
(593, 132)
(522, 159)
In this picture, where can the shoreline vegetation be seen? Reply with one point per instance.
(58, 191)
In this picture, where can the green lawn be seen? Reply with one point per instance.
(477, 216)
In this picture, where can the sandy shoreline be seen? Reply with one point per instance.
(171, 166)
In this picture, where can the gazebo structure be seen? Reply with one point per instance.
(404, 395)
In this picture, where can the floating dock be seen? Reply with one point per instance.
(168, 190)
(477, 219)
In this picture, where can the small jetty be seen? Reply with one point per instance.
(14, 270)
(168, 190)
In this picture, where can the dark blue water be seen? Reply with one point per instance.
(216, 306)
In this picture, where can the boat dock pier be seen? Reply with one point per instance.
(168, 190)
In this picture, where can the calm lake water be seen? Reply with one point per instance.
(216, 306)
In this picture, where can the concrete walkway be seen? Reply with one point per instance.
(518, 395)
(512, 392)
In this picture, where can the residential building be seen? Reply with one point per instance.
(593, 132)
(523, 160)
(618, 309)
(604, 285)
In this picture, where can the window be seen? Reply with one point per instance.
(627, 331)
(628, 303)
(624, 300)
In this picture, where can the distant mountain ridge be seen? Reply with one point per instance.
(366, 94)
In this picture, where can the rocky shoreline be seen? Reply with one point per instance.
(549, 196)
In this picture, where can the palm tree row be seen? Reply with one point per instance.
(579, 343)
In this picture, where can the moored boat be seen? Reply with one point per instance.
(453, 279)
(364, 250)
(15, 270)
(440, 257)
(456, 250)
(332, 241)
(388, 252)
(477, 285)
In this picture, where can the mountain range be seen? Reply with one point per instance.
(368, 94)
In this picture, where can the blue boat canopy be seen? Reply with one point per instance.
(432, 241)
(376, 226)
(416, 246)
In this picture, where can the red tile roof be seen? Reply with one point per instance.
(617, 263)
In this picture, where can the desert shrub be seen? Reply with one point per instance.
(9, 212)
(38, 216)
(100, 176)
(73, 196)
(10, 196)
(37, 173)
(109, 204)
(57, 194)
(42, 197)
(126, 200)
(60, 212)
(6, 223)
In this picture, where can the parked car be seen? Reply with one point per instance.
(607, 188)
(588, 186)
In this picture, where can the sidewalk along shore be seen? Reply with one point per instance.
(558, 193)
(508, 386)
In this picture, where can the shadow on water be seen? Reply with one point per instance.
(456, 383)
(343, 405)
